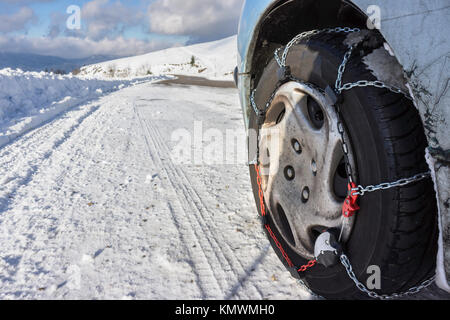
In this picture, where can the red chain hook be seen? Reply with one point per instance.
(350, 206)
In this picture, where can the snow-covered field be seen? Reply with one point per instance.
(212, 60)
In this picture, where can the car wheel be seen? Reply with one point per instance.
(304, 181)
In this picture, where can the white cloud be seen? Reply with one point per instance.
(103, 23)
(16, 21)
(103, 18)
(99, 19)
(202, 19)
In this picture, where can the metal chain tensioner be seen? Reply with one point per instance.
(350, 207)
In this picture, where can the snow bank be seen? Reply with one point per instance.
(27, 99)
(212, 60)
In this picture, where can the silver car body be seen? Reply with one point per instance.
(417, 31)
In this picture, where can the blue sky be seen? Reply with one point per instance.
(113, 27)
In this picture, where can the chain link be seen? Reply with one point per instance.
(341, 70)
(254, 106)
(339, 87)
(305, 35)
(360, 190)
(307, 266)
(377, 84)
(341, 129)
(414, 290)
(258, 111)
(345, 147)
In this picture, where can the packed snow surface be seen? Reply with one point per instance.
(213, 60)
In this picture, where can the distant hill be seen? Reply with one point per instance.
(35, 62)
(214, 60)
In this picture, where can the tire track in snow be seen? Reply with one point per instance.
(208, 283)
(33, 153)
(209, 226)
(223, 254)
(203, 242)
(210, 250)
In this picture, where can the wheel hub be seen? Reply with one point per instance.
(301, 156)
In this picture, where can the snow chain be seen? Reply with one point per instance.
(350, 207)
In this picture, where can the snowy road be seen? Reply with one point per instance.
(92, 206)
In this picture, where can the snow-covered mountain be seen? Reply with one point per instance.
(36, 62)
(214, 60)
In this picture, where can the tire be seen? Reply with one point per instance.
(395, 229)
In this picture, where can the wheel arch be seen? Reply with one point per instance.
(278, 26)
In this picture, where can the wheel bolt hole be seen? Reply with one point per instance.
(340, 181)
(289, 173)
(305, 195)
(297, 146)
(316, 114)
